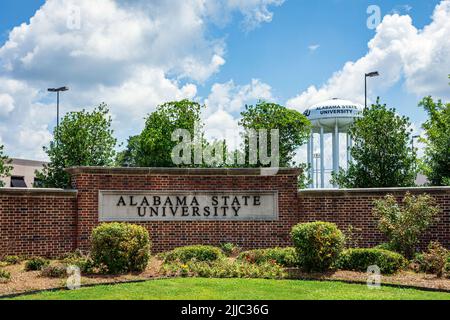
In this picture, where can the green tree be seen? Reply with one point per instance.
(294, 129)
(437, 150)
(82, 139)
(382, 152)
(154, 146)
(5, 167)
(127, 157)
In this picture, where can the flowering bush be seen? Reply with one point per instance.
(230, 249)
(403, 225)
(54, 271)
(285, 257)
(223, 268)
(434, 260)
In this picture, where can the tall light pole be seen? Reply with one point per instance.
(57, 90)
(368, 75)
(412, 140)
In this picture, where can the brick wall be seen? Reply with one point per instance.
(166, 235)
(52, 222)
(354, 208)
(37, 221)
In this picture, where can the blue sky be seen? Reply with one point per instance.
(224, 53)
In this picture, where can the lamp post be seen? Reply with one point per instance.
(412, 140)
(368, 75)
(57, 90)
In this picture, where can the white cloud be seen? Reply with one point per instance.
(6, 104)
(405, 8)
(131, 54)
(313, 47)
(232, 98)
(398, 51)
(255, 12)
(223, 106)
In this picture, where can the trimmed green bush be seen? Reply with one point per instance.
(285, 257)
(196, 252)
(5, 276)
(359, 259)
(318, 245)
(10, 260)
(36, 263)
(120, 247)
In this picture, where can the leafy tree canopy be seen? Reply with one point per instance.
(437, 150)
(82, 139)
(294, 128)
(154, 146)
(5, 168)
(382, 152)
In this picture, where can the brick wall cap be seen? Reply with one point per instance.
(38, 192)
(185, 171)
(376, 190)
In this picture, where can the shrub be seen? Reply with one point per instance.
(54, 271)
(36, 263)
(353, 236)
(230, 249)
(318, 245)
(285, 257)
(404, 224)
(385, 246)
(5, 276)
(434, 260)
(83, 262)
(447, 266)
(10, 260)
(359, 259)
(196, 252)
(224, 268)
(120, 247)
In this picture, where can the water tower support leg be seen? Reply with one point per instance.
(349, 145)
(336, 148)
(308, 155)
(322, 159)
(312, 160)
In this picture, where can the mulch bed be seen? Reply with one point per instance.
(27, 281)
(403, 278)
(22, 281)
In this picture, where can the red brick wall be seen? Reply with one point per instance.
(168, 235)
(52, 222)
(37, 222)
(354, 208)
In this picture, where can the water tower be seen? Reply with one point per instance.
(333, 116)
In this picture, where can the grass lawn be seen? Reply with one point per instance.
(234, 289)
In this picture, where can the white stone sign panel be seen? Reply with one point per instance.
(136, 206)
